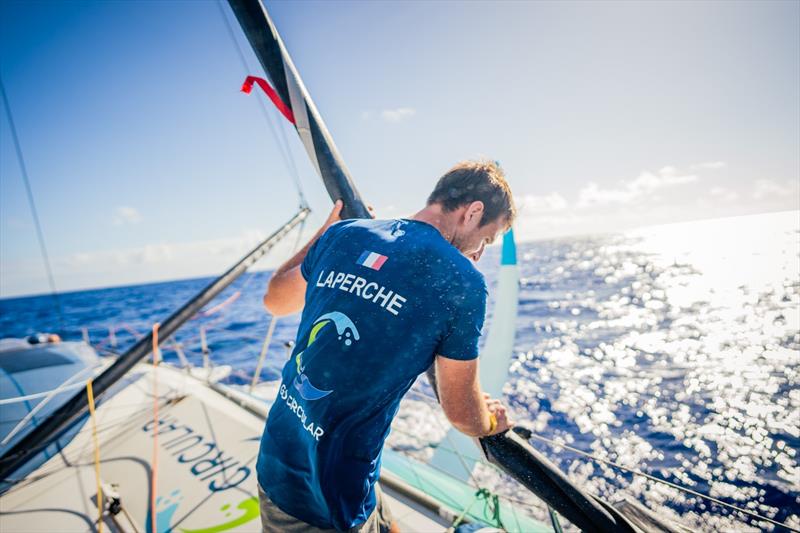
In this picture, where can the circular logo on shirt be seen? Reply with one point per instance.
(347, 333)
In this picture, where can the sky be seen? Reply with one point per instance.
(147, 163)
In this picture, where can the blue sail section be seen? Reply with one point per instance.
(509, 254)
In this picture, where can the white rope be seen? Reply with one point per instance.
(263, 355)
(17, 399)
(50, 394)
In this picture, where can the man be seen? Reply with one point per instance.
(382, 301)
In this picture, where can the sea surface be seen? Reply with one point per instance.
(673, 350)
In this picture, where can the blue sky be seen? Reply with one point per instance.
(147, 163)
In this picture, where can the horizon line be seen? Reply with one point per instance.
(255, 269)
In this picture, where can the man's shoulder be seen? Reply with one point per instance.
(456, 275)
(471, 277)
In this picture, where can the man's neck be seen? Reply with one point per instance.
(436, 217)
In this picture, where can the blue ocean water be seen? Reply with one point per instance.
(674, 350)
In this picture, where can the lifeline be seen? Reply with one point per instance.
(368, 290)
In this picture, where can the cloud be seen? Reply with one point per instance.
(593, 195)
(212, 252)
(126, 215)
(399, 114)
(542, 204)
(146, 264)
(767, 188)
(712, 165)
(647, 183)
(595, 208)
(724, 194)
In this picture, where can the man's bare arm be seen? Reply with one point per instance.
(463, 402)
(287, 287)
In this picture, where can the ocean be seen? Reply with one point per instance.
(674, 350)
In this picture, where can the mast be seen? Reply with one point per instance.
(73, 409)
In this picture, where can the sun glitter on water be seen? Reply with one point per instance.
(671, 349)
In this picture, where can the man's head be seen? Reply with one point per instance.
(476, 198)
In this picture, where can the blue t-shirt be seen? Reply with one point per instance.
(383, 298)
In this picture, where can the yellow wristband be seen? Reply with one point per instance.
(492, 423)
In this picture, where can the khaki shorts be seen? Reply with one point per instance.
(273, 520)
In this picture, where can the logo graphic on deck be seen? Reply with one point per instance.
(167, 505)
(345, 329)
(371, 260)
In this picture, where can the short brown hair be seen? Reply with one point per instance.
(470, 181)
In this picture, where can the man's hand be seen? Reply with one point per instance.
(498, 410)
(465, 405)
(286, 291)
(287, 288)
(334, 217)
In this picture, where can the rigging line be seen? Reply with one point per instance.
(478, 460)
(76, 456)
(39, 232)
(427, 399)
(659, 480)
(476, 485)
(283, 147)
(299, 236)
(17, 399)
(222, 308)
(534, 501)
(154, 461)
(90, 395)
(252, 273)
(461, 457)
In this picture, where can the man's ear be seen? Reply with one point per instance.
(474, 214)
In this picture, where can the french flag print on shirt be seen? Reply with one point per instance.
(371, 260)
